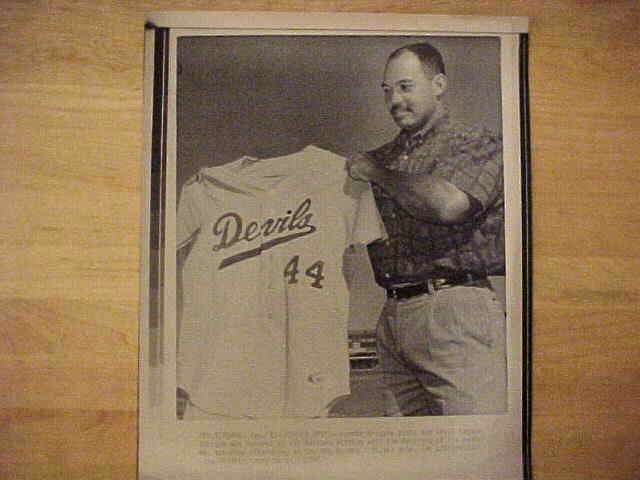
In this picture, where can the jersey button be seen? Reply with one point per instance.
(317, 378)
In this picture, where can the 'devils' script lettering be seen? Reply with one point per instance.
(230, 229)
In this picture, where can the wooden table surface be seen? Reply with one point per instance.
(70, 143)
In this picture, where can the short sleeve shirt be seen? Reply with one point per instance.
(415, 250)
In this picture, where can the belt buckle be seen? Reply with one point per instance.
(439, 283)
(431, 285)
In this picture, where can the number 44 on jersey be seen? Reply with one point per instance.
(314, 271)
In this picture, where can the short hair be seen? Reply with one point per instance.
(428, 55)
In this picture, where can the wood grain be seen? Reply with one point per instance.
(70, 143)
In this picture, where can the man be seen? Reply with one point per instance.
(439, 189)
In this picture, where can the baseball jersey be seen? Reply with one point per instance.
(263, 330)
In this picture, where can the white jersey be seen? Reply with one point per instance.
(263, 330)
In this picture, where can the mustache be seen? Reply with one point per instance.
(396, 110)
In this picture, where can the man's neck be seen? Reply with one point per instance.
(439, 113)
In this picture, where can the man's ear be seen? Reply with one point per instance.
(439, 84)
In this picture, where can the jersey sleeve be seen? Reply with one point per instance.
(364, 222)
(188, 219)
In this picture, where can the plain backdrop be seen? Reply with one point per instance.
(273, 95)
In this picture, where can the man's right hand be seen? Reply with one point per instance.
(362, 167)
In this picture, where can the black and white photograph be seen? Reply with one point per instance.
(336, 235)
(281, 109)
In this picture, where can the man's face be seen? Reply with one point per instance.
(410, 92)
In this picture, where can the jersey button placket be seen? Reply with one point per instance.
(266, 259)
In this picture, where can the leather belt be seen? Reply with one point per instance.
(433, 284)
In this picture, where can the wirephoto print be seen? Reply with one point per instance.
(279, 143)
(336, 262)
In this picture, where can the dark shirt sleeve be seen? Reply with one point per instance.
(475, 167)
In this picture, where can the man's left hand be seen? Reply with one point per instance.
(362, 167)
